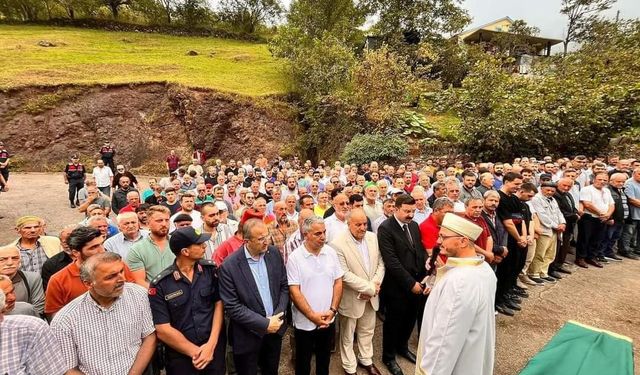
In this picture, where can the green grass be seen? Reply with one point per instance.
(93, 56)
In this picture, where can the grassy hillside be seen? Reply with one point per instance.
(93, 56)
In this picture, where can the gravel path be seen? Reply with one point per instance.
(605, 298)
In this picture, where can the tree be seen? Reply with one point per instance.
(193, 13)
(418, 19)
(246, 15)
(383, 86)
(580, 14)
(340, 18)
(114, 6)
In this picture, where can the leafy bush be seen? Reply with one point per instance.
(364, 148)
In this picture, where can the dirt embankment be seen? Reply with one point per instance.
(43, 126)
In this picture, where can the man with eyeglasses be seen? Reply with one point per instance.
(458, 332)
(256, 325)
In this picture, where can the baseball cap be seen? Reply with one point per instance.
(221, 206)
(185, 237)
(396, 191)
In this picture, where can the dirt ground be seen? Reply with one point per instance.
(605, 298)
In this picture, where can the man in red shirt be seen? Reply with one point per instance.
(484, 242)
(173, 162)
(430, 228)
(133, 200)
(66, 285)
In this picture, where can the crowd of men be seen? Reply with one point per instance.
(204, 270)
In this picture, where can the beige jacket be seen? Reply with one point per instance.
(50, 244)
(356, 280)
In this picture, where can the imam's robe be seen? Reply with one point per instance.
(458, 327)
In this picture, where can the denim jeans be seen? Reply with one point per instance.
(611, 236)
(629, 235)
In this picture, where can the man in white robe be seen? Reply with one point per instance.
(458, 327)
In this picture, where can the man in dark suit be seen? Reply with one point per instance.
(569, 210)
(404, 259)
(255, 292)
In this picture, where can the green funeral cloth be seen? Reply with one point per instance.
(578, 349)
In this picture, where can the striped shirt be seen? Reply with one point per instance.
(27, 346)
(99, 340)
(223, 233)
(32, 259)
(294, 242)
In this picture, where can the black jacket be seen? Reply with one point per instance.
(567, 206)
(404, 263)
(620, 200)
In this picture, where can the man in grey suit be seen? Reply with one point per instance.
(363, 268)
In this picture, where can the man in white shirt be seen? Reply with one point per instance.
(458, 332)
(187, 206)
(337, 223)
(315, 287)
(423, 211)
(598, 208)
(103, 176)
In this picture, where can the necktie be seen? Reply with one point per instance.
(406, 233)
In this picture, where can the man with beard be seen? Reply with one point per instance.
(119, 197)
(149, 257)
(281, 229)
(187, 206)
(336, 223)
(219, 232)
(66, 285)
(469, 187)
(458, 333)
(404, 258)
(510, 212)
(496, 228)
(109, 302)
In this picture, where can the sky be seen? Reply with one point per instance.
(545, 14)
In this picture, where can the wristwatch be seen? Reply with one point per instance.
(335, 312)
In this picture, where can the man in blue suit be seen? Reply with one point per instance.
(255, 292)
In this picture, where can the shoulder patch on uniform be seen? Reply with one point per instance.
(152, 291)
(161, 276)
(207, 262)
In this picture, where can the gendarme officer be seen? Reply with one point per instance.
(187, 310)
(74, 177)
(107, 153)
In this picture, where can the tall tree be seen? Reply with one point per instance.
(580, 14)
(314, 18)
(247, 15)
(418, 19)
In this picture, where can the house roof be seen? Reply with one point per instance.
(469, 31)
